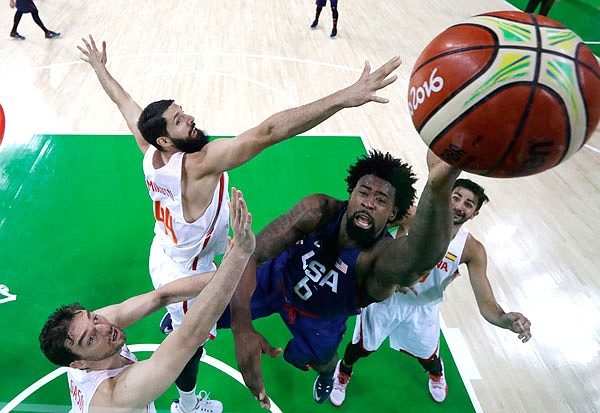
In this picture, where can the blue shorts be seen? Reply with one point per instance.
(315, 340)
(26, 6)
(322, 3)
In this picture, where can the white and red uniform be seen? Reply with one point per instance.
(83, 384)
(411, 321)
(182, 248)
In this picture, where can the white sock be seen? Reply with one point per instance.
(187, 399)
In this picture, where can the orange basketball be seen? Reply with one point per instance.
(505, 94)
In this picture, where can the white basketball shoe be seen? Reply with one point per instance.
(203, 405)
(340, 381)
(438, 388)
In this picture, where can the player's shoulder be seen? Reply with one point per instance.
(325, 203)
(473, 248)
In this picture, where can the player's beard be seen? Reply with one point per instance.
(365, 237)
(191, 145)
(461, 219)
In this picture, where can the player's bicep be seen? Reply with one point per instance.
(307, 216)
(131, 112)
(131, 310)
(223, 154)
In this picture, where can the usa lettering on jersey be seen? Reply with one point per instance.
(317, 273)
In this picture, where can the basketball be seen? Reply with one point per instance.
(505, 94)
(2, 123)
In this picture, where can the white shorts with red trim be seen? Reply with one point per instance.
(162, 271)
(414, 329)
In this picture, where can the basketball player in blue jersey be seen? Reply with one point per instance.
(24, 7)
(410, 318)
(326, 259)
(187, 180)
(334, 16)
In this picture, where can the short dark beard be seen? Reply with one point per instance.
(191, 145)
(364, 237)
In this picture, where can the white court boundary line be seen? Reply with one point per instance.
(464, 362)
(218, 364)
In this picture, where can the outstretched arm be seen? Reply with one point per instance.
(476, 260)
(129, 108)
(404, 260)
(305, 217)
(143, 382)
(135, 308)
(226, 154)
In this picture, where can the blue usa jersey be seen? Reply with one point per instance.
(317, 277)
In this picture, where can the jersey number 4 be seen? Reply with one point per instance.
(164, 215)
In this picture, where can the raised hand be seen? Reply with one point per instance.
(91, 54)
(241, 222)
(365, 88)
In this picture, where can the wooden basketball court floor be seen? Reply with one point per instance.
(232, 64)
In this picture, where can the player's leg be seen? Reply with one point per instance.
(531, 6)
(371, 328)
(314, 344)
(17, 19)
(163, 271)
(320, 5)
(546, 5)
(186, 386)
(334, 16)
(419, 336)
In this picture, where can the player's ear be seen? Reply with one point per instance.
(393, 215)
(163, 141)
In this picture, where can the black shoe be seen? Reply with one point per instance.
(314, 24)
(16, 36)
(322, 387)
(333, 34)
(166, 325)
(51, 35)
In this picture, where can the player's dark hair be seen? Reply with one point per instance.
(477, 190)
(388, 168)
(55, 333)
(152, 124)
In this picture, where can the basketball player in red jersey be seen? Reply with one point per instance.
(410, 318)
(187, 179)
(103, 375)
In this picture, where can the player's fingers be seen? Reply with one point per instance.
(389, 81)
(264, 400)
(267, 348)
(366, 69)
(379, 99)
(234, 205)
(85, 42)
(93, 43)
(388, 67)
